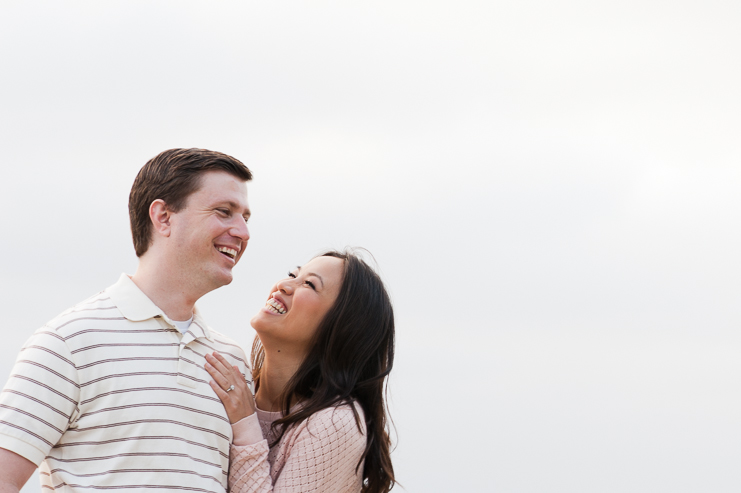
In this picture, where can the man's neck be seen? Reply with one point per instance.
(166, 290)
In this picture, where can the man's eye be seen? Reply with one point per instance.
(224, 211)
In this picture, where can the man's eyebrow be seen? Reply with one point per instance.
(235, 205)
(312, 274)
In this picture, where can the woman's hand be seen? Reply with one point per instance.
(229, 385)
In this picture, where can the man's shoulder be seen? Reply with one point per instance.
(93, 310)
(225, 344)
(228, 348)
(222, 339)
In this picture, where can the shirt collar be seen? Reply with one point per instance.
(137, 307)
(199, 328)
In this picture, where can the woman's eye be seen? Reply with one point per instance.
(311, 285)
(292, 275)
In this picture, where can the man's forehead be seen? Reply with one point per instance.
(218, 188)
(232, 200)
(219, 176)
(222, 186)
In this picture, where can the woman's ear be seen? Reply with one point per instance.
(160, 215)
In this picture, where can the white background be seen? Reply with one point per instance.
(550, 189)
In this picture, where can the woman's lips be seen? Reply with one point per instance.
(275, 306)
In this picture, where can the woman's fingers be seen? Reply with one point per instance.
(219, 391)
(219, 377)
(217, 361)
(230, 386)
(223, 361)
(226, 379)
(224, 374)
(236, 404)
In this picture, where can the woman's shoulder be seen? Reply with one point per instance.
(339, 420)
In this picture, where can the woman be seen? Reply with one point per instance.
(324, 346)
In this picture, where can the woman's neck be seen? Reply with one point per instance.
(277, 370)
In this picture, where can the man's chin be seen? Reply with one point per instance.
(226, 279)
(220, 279)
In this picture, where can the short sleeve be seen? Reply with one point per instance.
(40, 397)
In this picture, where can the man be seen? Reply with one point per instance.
(112, 393)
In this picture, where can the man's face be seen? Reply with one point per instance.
(209, 235)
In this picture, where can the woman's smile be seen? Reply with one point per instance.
(297, 304)
(275, 306)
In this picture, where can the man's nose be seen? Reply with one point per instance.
(240, 229)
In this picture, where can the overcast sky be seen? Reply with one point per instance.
(550, 190)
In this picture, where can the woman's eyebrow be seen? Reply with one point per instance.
(312, 274)
(317, 276)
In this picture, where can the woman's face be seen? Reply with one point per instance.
(296, 305)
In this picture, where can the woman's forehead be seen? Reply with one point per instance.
(328, 268)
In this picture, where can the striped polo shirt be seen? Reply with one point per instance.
(110, 395)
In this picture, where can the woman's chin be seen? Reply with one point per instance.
(262, 319)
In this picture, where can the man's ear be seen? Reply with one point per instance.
(160, 215)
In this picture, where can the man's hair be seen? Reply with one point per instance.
(172, 176)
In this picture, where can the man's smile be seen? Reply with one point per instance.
(229, 252)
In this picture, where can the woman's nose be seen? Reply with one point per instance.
(285, 286)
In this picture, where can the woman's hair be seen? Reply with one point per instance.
(350, 356)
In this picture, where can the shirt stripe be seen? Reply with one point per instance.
(109, 395)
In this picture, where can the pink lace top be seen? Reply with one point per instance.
(319, 454)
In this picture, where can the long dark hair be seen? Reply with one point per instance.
(351, 354)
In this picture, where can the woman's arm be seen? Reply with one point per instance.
(318, 455)
(247, 440)
(248, 458)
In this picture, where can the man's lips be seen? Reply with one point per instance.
(228, 251)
